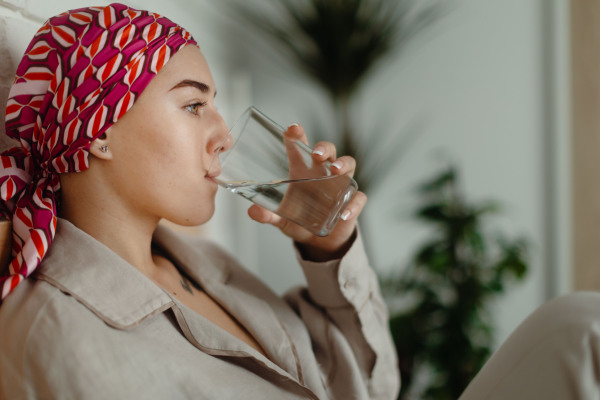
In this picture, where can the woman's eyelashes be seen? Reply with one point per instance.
(194, 108)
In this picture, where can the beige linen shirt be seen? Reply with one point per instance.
(88, 325)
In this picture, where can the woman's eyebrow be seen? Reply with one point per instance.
(201, 86)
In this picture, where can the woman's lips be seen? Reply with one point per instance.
(212, 175)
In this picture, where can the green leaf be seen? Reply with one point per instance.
(338, 42)
(434, 212)
(441, 181)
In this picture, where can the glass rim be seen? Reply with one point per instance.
(240, 123)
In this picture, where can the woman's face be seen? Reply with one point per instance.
(163, 146)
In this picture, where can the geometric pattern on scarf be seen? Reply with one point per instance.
(81, 72)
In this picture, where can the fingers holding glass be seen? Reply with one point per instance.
(275, 168)
(344, 165)
(296, 132)
(354, 207)
(324, 151)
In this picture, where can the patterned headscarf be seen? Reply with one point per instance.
(81, 72)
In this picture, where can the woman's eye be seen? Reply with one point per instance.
(195, 107)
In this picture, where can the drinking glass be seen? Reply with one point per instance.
(281, 175)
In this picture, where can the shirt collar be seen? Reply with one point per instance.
(193, 256)
(123, 297)
(113, 289)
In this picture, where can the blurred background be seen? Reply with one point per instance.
(502, 93)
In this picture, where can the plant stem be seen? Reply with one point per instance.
(348, 147)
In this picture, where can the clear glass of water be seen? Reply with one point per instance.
(281, 175)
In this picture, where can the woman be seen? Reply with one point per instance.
(114, 109)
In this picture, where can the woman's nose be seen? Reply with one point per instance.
(227, 143)
(222, 140)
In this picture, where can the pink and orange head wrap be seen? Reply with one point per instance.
(81, 72)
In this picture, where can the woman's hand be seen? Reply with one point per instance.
(339, 240)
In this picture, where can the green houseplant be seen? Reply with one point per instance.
(337, 44)
(444, 326)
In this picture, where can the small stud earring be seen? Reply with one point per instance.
(104, 148)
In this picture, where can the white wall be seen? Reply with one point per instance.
(486, 86)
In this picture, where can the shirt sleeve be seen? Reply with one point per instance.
(347, 319)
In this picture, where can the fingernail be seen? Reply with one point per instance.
(318, 151)
(346, 215)
(294, 124)
(337, 164)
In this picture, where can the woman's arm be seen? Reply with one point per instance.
(348, 323)
(342, 307)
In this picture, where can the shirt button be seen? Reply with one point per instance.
(350, 283)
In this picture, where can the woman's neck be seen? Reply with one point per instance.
(126, 232)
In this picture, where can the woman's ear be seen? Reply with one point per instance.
(100, 147)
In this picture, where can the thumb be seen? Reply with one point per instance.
(262, 215)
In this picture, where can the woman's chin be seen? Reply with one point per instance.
(193, 219)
